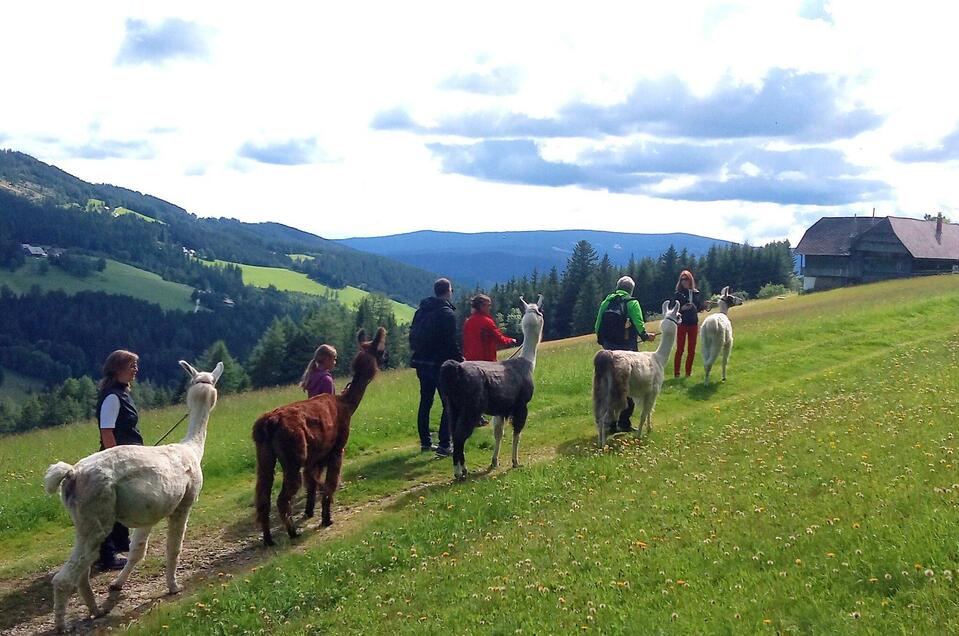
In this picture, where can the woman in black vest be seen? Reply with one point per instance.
(118, 417)
(690, 304)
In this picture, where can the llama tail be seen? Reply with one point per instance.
(55, 476)
(263, 431)
(602, 385)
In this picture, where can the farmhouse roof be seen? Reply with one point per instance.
(919, 237)
(833, 235)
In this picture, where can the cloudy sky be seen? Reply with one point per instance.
(739, 120)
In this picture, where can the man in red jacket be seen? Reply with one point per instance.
(481, 337)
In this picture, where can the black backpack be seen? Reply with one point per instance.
(419, 331)
(612, 324)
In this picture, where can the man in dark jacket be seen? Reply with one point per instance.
(433, 341)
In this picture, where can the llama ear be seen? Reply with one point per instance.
(379, 341)
(539, 301)
(361, 336)
(217, 372)
(725, 291)
(188, 368)
(665, 307)
(522, 301)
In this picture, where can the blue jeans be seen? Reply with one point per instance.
(429, 377)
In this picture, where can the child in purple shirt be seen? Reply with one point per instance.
(317, 378)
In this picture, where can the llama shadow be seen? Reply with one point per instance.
(404, 466)
(700, 391)
(21, 604)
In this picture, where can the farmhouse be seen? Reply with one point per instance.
(839, 251)
(33, 250)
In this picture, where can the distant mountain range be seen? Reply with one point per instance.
(489, 257)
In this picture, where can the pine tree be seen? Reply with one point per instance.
(265, 363)
(234, 378)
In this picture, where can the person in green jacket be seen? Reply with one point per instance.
(619, 327)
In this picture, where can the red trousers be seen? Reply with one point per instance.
(684, 332)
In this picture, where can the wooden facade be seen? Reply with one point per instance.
(840, 251)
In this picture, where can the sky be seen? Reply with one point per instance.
(736, 120)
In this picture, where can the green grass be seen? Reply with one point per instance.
(301, 257)
(288, 280)
(117, 278)
(121, 211)
(808, 494)
(16, 386)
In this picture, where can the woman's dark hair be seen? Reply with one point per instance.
(117, 361)
(477, 301)
(688, 275)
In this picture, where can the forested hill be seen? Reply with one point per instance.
(42, 204)
(486, 258)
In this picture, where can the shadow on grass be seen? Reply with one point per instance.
(18, 605)
(700, 391)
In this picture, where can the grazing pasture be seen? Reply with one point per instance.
(117, 278)
(815, 491)
(288, 280)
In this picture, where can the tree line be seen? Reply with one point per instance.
(572, 298)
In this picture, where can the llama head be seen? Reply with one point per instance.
(671, 317)
(727, 300)
(201, 393)
(376, 348)
(532, 322)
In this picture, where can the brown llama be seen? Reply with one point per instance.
(309, 436)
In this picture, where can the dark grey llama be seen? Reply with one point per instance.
(501, 389)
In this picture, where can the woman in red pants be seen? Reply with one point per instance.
(690, 304)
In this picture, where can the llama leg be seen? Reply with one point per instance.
(459, 451)
(284, 501)
(499, 423)
(647, 418)
(331, 482)
(519, 421)
(265, 469)
(138, 547)
(311, 475)
(726, 349)
(75, 573)
(176, 529)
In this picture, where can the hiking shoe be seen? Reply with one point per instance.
(625, 428)
(114, 563)
(427, 448)
(444, 451)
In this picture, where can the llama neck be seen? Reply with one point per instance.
(196, 433)
(352, 395)
(666, 341)
(723, 307)
(530, 343)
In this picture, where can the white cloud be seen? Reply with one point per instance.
(323, 71)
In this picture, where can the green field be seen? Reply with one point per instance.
(121, 211)
(814, 492)
(288, 280)
(302, 257)
(117, 278)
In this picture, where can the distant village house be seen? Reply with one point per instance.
(839, 251)
(33, 250)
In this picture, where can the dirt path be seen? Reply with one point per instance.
(210, 558)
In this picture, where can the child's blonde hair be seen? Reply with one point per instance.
(323, 352)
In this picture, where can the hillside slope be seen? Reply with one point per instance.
(117, 278)
(812, 492)
(40, 184)
(490, 257)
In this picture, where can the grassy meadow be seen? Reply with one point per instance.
(814, 492)
(288, 280)
(117, 278)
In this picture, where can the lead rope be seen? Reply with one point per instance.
(157, 443)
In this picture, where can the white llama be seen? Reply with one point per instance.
(636, 374)
(717, 332)
(137, 486)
